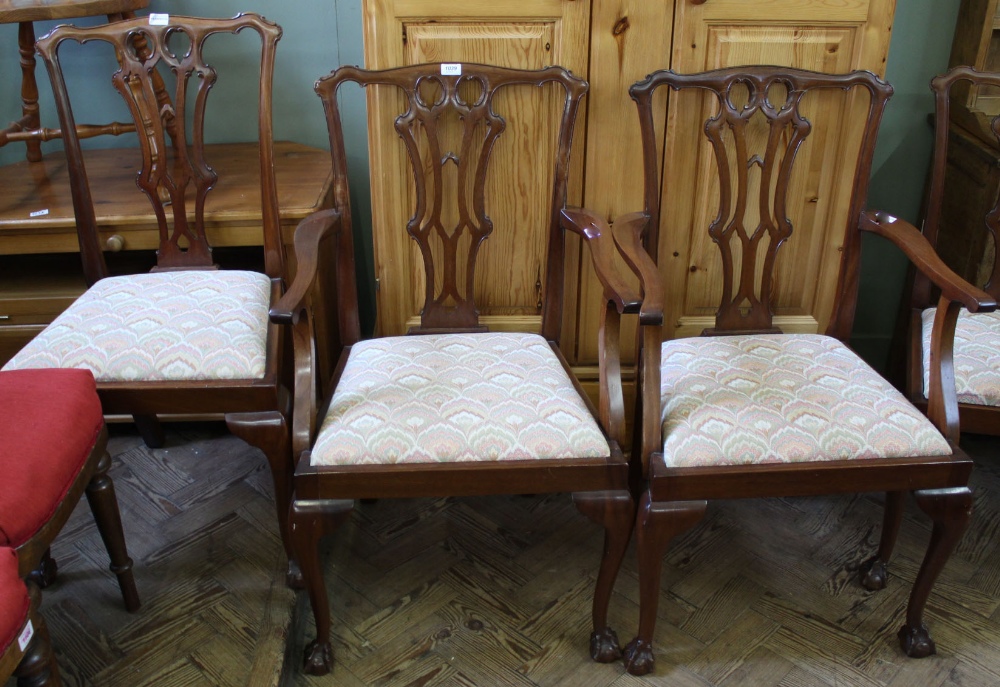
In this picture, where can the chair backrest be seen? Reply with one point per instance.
(946, 87)
(177, 175)
(449, 125)
(755, 128)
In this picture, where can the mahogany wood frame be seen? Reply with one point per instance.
(675, 499)
(325, 327)
(36, 664)
(256, 410)
(972, 418)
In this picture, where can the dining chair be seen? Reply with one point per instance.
(453, 409)
(747, 411)
(25, 649)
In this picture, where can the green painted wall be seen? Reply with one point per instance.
(321, 34)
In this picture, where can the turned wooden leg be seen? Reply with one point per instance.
(950, 510)
(657, 523)
(38, 666)
(873, 574)
(269, 432)
(30, 119)
(45, 574)
(310, 520)
(615, 511)
(104, 504)
(151, 430)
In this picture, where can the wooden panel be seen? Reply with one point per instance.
(820, 187)
(525, 35)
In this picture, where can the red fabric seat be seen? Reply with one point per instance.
(49, 423)
(13, 599)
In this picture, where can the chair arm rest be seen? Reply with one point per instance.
(919, 250)
(628, 232)
(308, 235)
(597, 235)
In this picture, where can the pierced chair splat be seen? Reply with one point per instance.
(453, 410)
(745, 411)
(187, 337)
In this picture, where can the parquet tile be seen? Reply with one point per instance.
(496, 591)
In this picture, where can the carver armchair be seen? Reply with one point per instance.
(186, 337)
(452, 409)
(747, 411)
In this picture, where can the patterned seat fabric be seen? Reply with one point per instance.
(745, 400)
(976, 356)
(13, 599)
(452, 398)
(190, 325)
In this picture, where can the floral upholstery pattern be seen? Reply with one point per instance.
(455, 397)
(744, 400)
(186, 325)
(976, 356)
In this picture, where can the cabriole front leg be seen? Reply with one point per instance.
(950, 510)
(657, 524)
(874, 573)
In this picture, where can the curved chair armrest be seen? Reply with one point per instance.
(628, 232)
(597, 235)
(308, 235)
(919, 250)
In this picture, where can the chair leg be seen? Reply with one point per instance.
(104, 505)
(657, 523)
(873, 573)
(45, 574)
(950, 510)
(38, 667)
(151, 430)
(615, 511)
(29, 88)
(269, 432)
(310, 520)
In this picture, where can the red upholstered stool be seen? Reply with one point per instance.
(24, 640)
(53, 446)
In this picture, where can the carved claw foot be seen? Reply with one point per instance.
(293, 577)
(916, 641)
(873, 574)
(604, 647)
(45, 574)
(318, 658)
(638, 657)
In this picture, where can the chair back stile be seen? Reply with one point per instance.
(170, 175)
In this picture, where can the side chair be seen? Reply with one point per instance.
(25, 649)
(452, 409)
(746, 411)
(976, 355)
(187, 337)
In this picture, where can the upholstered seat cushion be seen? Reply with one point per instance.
(49, 423)
(454, 398)
(13, 599)
(746, 400)
(976, 356)
(188, 325)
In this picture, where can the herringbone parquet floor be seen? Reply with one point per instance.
(496, 591)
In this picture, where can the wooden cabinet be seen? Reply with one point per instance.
(614, 43)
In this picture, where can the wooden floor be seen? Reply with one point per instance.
(496, 591)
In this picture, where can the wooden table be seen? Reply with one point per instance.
(40, 271)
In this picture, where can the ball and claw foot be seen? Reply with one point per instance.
(318, 658)
(638, 657)
(916, 641)
(873, 574)
(604, 647)
(293, 577)
(45, 574)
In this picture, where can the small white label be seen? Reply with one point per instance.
(157, 19)
(38, 213)
(451, 70)
(26, 634)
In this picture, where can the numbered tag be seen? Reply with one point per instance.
(26, 634)
(157, 19)
(451, 70)
(38, 213)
